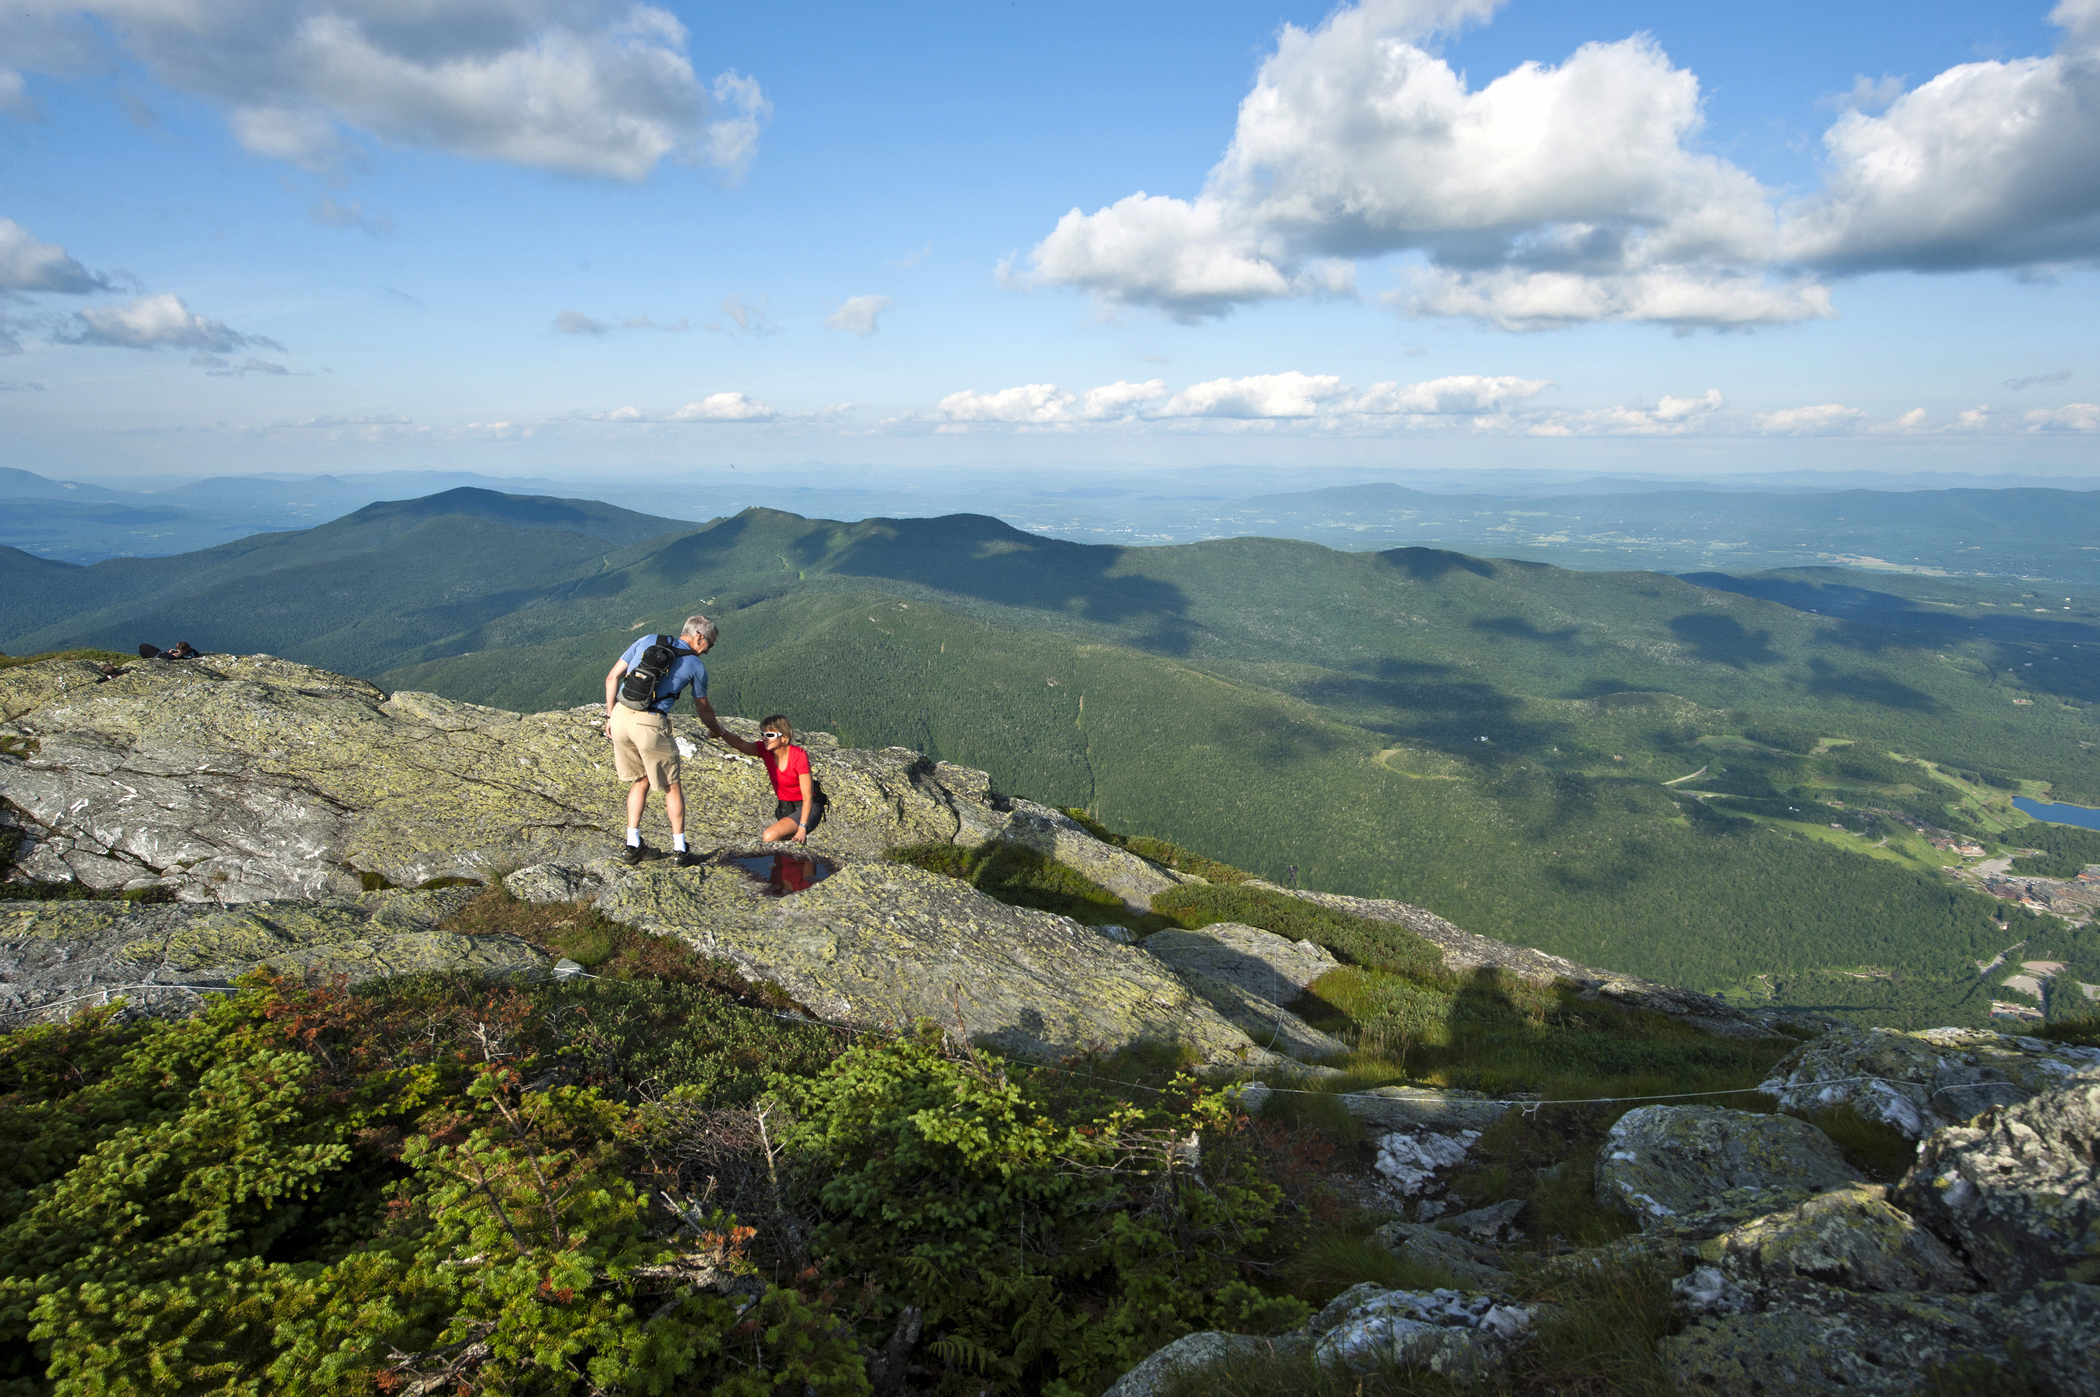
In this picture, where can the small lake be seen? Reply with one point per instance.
(2059, 814)
(780, 874)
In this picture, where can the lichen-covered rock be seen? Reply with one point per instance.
(231, 779)
(1411, 1158)
(1193, 1352)
(1414, 1108)
(1844, 1343)
(1706, 1291)
(1264, 1021)
(1850, 1237)
(878, 944)
(1058, 836)
(1251, 976)
(1464, 952)
(162, 959)
(1497, 1222)
(1921, 1081)
(1660, 1163)
(1460, 1335)
(1468, 1263)
(2018, 1188)
(1262, 963)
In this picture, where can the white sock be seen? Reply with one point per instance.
(634, 839)
(678, 843)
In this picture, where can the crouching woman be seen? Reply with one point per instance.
(796, 808)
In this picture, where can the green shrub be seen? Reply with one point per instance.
(1357, 940)
(1022, 877)
(320, 1190)
(1047, 1249)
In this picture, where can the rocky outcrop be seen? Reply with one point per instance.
(56, 957)
(877, 944)
(1464, 952)
(1921, 1081)
(1194, 1352)
(1412, 1158)
(1832, 1341)
(1675, 1167)
(1465, 1261)
(1460, 1335)
(1251, 976)
(2018, 1188)
(1431, 1108)
(236, 779)
(1852, 1238)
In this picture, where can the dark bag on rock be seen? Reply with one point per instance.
(638, 686)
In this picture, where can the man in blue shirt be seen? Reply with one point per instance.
(644, 751)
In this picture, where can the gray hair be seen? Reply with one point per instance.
(700, 626)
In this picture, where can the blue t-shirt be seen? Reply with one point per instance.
(685, 670)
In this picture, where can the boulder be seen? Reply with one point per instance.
(878, 944)
(1664, 1163)
(2018, 1188)
(1264, 1021)
(1920, 1081)
(1197, 1351)
(1411, 1158)
(1465, 952)
(1467, 1263)
(164, 959)
(1497, 1222)
(1058, 836)
(1414, 1108)
(1843, 1343)
(1459, 1335)
(1262, 963)
(1852, 1238)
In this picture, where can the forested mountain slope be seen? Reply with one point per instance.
(1625, 768)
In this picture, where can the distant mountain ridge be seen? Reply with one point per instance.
(1555, 757)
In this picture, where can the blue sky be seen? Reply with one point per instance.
(582, 237)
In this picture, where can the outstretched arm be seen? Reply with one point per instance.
(706, 712)
(613, 677)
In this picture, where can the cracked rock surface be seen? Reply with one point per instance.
(1924, 1080)
(163, 959)
(2018, 1188)
(233, 779)
(1668, 1164)
(882, 943)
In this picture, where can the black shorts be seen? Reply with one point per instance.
(792, 810)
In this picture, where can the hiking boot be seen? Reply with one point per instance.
(631, 854)
(684, 859)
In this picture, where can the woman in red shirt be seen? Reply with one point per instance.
(795, 809)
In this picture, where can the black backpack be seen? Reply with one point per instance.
(638, 685)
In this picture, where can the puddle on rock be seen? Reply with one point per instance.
(777, 875)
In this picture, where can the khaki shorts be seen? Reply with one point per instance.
(643, 746)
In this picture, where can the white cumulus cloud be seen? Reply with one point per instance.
(725, 407)
(1823, 419)
(157, 322)
(858, 314)
(1578, 192)
(29, 265)
(1283, 395)
(2072, 417)
(1027, 403)
(1459, 393)
(1987, 165)
(600, 88)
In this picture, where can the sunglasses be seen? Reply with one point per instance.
(769, 736)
